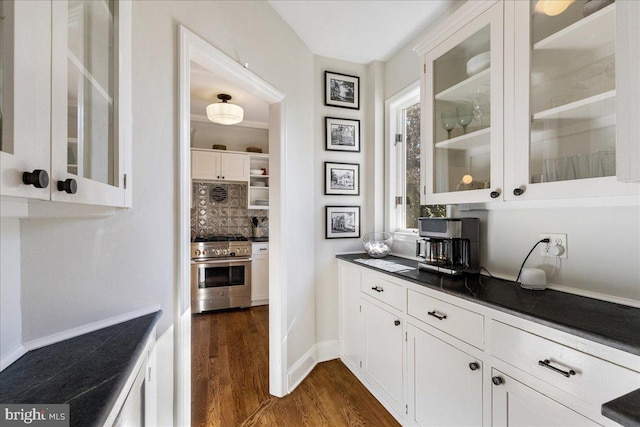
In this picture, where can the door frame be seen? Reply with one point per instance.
(194, 48)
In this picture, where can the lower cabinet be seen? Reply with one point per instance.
(133, 411)
(515, 404)
(351, 317)
(383, 352)
(445, 383)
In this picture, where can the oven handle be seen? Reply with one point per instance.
(223, 261)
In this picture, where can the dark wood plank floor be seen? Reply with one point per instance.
(230, 381)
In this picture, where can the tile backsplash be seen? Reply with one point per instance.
(221, 209)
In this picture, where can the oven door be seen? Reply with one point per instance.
(219, 284)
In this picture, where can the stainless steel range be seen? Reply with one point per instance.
(220, 273)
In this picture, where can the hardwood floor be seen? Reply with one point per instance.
(230, 381)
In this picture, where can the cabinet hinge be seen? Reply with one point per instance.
(125, 181)
(406, 339)
(424, 67)
(398, 201)
(361, 363)
(424, 190)
(398, 138)
(406, 409)
(360, 309)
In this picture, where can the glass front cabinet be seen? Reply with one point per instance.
(66, 101)
(520, 101)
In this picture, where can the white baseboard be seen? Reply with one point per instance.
(85, 329)
(261, 301)
(327, 350)
(12, 357)
(301, 369)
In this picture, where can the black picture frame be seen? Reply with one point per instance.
(341, 179)
(342, 222)
(342, 134)
(341, 90)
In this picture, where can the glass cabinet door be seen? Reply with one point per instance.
(565, 99)
(463, 120)
(87, 145)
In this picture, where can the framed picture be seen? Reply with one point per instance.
(341, 90)
(342, 222)
(342, 179)
(342, 134)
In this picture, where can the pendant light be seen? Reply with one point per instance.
(552, 7)
(224, 113)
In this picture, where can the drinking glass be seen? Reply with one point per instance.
(448, 119)
(480, 104)
(465, 115)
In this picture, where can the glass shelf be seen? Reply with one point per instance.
(477, 139)
(465, 90)
(603, 104)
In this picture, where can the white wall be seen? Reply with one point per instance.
(10, 312)
(78, 271)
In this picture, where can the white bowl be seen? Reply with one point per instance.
(256, 171)
(478, 63)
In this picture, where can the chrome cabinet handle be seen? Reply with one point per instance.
(547, 364)
(377, 289)
(436, 315)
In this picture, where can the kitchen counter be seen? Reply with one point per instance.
(607, 323)
(87, 372)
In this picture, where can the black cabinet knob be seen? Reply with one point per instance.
(38, 178)
(518, 191)
(497, 380)
(474, 366)
(396, 322)
(68, 186)
(495, 194)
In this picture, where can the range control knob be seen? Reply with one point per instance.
(225, 252)
(197, 252)
(216, 252)
(38, 178)
(204, 252)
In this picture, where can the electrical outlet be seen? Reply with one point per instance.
(554, 239)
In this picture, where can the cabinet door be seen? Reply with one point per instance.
(515, 404)
(260, 278)
(133, 410)
(565, 103)
(462, 113)
(25, 118)
(234, 167)
(91, 101)
(383, 339)
(205, 165)
(351, 321)
(440, 378)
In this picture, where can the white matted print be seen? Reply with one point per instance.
(341, 179)
(341, 90)
(342, 134)
(342, 222)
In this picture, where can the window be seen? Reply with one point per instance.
(405, 184)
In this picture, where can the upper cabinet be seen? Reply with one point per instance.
(211, 165)
(538, 113)
(463, 91)
(66, 101)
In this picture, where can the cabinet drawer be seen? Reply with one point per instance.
(586, 377)
(260, 248)
(457, 321)
(383, 290)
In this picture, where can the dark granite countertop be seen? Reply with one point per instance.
(607, 323)
(87, 372)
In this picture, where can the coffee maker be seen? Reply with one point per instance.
(449, 245)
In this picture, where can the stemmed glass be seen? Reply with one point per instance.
(480, 104)
(465, 115)
(448, 119)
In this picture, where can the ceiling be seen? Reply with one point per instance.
(359, 31)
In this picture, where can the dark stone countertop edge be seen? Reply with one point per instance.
(122, 381)
(624, 410)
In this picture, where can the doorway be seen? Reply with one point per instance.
(195, 49)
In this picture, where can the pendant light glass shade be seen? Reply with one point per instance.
(224, 113)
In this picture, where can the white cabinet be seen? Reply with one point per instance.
(351, 318)
(553, 103)
(514, 404)
(383, 352)
(66, 100)
(260, 273)
(212, 165)
(258, 194)
(440, 377)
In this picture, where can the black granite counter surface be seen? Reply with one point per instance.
(87, 372)
(614, 325)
